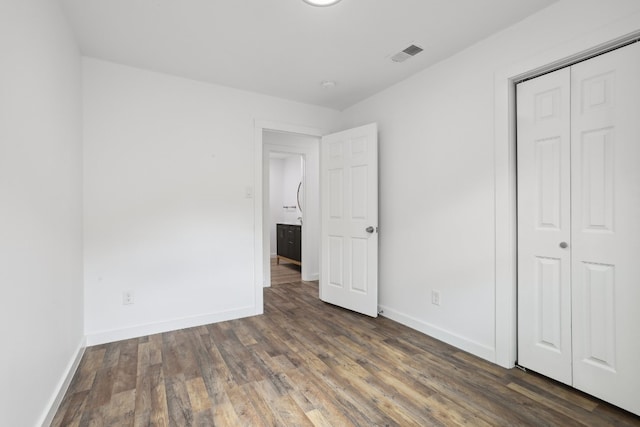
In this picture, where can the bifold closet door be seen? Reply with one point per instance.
(544, 225)
(605, 193)
(579, 226)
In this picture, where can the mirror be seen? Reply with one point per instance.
(299, 196)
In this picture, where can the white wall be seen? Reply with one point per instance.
(41, 310)
(437, 218)
(167, 165)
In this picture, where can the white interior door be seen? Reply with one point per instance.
(349, 236)
(581, 300)
(544, 215)
(605, 154)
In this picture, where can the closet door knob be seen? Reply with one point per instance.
(564, 245)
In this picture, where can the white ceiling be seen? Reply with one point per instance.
(286, 48)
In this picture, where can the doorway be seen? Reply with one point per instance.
(349, 176)
(286, 200)
(290, 177)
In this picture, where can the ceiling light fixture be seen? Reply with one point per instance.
(321, 3)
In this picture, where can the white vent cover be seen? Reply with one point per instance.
(407, 53)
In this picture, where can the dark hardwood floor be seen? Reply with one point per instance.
(307, 363)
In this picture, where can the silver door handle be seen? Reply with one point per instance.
(370, 229)
(564, 245)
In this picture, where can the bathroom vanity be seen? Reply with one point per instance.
(289, 243)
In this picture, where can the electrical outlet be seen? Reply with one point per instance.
(127, 298)
(435, 297)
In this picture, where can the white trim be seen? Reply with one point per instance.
(313, 277)
(63, 385)
(260, 248)
(102, 337)
(603, 39)
(484, 351)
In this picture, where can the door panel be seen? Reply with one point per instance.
(544, 268)
(599, 320)
(548, 289)
(606, 226)
(596, 163)
(349, 198)
(335, 263)
(548, 158)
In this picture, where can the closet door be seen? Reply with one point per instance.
(544, 262)
(605, 153)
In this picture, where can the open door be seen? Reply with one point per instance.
(349, 236)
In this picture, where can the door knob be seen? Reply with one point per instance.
(564, 245)
(370, 229)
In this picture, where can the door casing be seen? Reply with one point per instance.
(261, 249)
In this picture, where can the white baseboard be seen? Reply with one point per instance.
(312, 277)
(485, 352)
(63, 386)
(102, 337)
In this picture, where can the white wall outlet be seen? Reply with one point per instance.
(435, 297)
(127, 298)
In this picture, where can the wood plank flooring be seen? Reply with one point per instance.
(285, 272)
(307, 363)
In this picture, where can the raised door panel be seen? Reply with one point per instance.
(548, 185)
(544, 282)
(359, 261)
(359, 208)
(605, 154)
(547, 304)
(598, 321)
(359, 203)
(597, 166)
(336, 194)
(334, 262)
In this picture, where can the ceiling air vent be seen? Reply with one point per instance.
(407, 53)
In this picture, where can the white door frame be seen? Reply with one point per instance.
(260, 248)
(602, 40)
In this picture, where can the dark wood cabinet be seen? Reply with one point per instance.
(289, 243)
